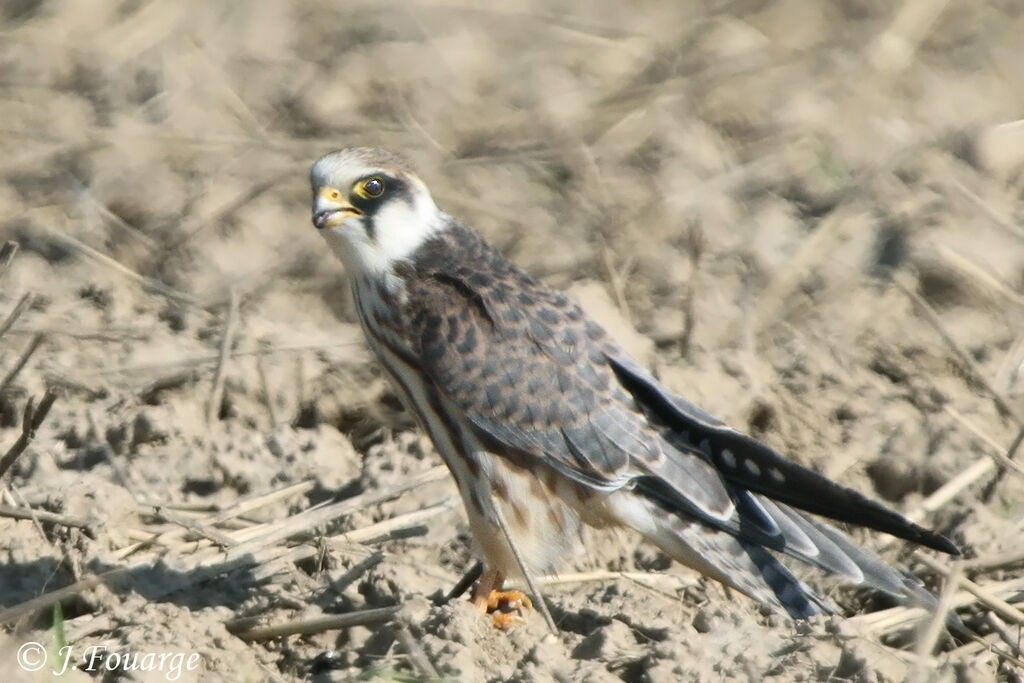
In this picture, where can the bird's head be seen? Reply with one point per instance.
(371, 208)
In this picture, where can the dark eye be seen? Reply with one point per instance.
(374, 187)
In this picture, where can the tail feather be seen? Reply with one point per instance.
(838, 553)
(751, 465)
(811, 545)
(746, 566)
(760, 526)
(877, 573)
(757, 506)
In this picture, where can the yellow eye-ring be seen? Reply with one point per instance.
(374, 187)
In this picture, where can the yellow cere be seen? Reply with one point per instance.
(330, 194)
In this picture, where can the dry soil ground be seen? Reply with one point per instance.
(805, 216)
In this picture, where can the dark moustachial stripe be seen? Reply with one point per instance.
(395, 188)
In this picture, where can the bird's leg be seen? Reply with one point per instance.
(505, 607)
(490, 581)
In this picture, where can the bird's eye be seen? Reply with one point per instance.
(374, 187)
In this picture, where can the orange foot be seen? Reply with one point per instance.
(507, 608)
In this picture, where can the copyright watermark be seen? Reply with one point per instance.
(33, 656)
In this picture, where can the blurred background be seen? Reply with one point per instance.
(805, 216)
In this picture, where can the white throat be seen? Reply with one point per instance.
(399, 228)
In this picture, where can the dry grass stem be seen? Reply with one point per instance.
(216, 536)
(999, 626)
(983, 279)
(308, 625)
(7, 252)
(31, 420)
(165, 538)
(599, 576)
(995, 450)
(194, 227)
(121, 223)
(895, 620)
(23, 303)
(217, 391)
(261, 371)
(414, 651)
(984, 595)
(952, 488)
(773, 297)
(68, 385)
(990, 489)
(695, 247)
(107, 334)
(206, 359)
(307, 520)
(151, 284)
(926, 643)
(43, 516)
(385, 529)
(998, 218)
(22, 361)
(615, 279)
(47, 600)
(894, 49)
(255, 502)
(994, 562)
(965, 358)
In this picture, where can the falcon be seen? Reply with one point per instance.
(548, 426)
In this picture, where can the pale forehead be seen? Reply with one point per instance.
(351, 163)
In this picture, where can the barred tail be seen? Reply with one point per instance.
(748, 567)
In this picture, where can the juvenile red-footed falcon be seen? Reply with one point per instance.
(547, 425)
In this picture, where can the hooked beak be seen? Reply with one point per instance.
(329, 209)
